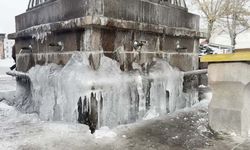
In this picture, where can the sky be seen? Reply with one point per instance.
(8, 10)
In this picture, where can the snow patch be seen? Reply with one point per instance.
(205, 102)
(104, 132)
(151, 114)
(6, 62)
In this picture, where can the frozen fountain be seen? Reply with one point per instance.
(106, 96)
(78, 63)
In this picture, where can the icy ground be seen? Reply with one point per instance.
(186, 129)
(7, 83)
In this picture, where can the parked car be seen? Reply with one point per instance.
(208, 49)
(205, 50)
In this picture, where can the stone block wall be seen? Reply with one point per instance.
(109, 41)
(108, 26)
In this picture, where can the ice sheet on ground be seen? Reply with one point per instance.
(104, 132)
(151, 114)
(18, 130)
(187, 129)
(27, 131)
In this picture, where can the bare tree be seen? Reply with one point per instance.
(237, 18)
(213, 10)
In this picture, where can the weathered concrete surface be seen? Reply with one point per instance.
(26, 61)
(133, 10)
(107, 25)
(229, 110)
(109, 40)
(105, 22)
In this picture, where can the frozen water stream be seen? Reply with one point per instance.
(107, 96)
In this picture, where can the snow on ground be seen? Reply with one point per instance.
(6, 62)
(23, 131)
(185, 129)
(26, 131)
(104, 132)
(7, 83)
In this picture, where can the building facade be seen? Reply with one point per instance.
(2, 54)
(8, 44)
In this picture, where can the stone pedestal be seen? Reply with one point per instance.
(108, 26)
(229, 110)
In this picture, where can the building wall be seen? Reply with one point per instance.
(109, 41)
(2, 55)
(8, 44)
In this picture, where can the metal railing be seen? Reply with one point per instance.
(36, 3)
(180, 3)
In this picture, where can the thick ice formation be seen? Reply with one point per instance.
(109, 96)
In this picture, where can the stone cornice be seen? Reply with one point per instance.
(104, 22)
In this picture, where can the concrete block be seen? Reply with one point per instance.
(233, 71)
(229, 109)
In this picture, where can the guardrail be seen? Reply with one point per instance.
(37, 3)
